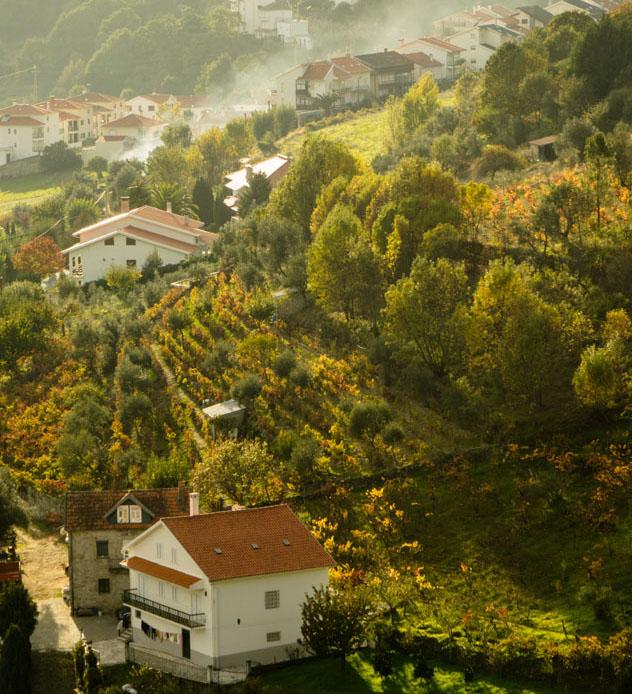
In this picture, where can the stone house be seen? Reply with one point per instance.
(97, 525)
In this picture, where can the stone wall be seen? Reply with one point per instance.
(86, 569)
(20, 167)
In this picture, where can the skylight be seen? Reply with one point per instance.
(286, 542)
(218, 550)
(254, 545)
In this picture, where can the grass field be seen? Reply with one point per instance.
(365, 135)
(359, 677)
(29, 190)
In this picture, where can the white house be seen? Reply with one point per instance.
(274, 169)
(25, 130)
(479, 43)
(585, 6)
(532, 17)
(134, 126)
(129, 238)
(218, 590)
(443, 51)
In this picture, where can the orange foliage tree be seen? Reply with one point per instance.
(40, 256)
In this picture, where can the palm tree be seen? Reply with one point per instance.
(160, 194)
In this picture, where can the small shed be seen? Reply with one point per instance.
(543, 149)
(226, 416)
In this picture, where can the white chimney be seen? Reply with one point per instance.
(194, 504)
(169, 208)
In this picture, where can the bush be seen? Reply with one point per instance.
(393, 433)
(284, 364)
(369, 418)
(247, 389)
(496, 158)
(299, 377)
(59, 157)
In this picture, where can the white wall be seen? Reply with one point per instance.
(17, 141)
(243, 599)
(97, 258)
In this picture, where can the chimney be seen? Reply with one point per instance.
(194, 504)
(186, 221)
(125, 204)
(169, 208)
(182, 492)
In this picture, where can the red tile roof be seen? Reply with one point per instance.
(20, 121)
(23, 110)
(282, 542)
(439, 43)
(132, 120)
(96, 97)
(10, 571)
(350, 64)
(164, 573)
(155, 214)
(423, 60)
(317, 70)
(87, 510)
(161, 239)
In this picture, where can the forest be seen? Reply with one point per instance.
(434, 349)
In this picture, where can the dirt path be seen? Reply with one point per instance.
(44, 557)
(182, 396)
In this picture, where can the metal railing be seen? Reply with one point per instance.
(131, 597)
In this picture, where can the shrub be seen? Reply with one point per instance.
(247, 388)
(299, 377)
(58, 157)
(284, 364)
(369, 418)
(393, 433)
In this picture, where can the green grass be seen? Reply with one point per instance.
(365, 134)
(30, 190)
(359, 677)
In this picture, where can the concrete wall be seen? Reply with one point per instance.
(22, 167)
(86, 568)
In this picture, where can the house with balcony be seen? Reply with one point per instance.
(25, 130)
(392, 74)
(97, 525)
(131, 237)
(221, 590)
(452, 57)
(479, 43)
(78, 121)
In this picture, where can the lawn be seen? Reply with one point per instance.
(29, 190)
(365, 134)
(359, 677)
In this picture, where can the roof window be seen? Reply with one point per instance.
(218, 550)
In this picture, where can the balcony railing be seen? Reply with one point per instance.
(131, 597)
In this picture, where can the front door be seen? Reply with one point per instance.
(186, 644)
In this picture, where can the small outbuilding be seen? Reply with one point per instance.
(225, 416)
(543, 149)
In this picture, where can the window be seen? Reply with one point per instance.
(174, 593)
(137, 614)
(131, 263)
(122, 514)
(104, 585)
(174, 555)
(102, 548)
(161, 589)
(130, 242)
(158, 551)
(109, 242)
(273, 636)
(272, 599)
(135, 514)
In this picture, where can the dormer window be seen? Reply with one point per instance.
(135, 514)
(122, 514)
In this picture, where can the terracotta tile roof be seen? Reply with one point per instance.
(132, 120)
(423, 60)
(10, 571)
(162, 239)
(164, 573)
(284, 543)
(350, 64)
(20, 121)
(155, 97)
(98, 97)
(113, 138)
(317, 70)
(87, 510)
(444, 45)
(155, 214)
(23, 110)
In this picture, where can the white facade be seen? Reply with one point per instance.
(479, 43)
(25, 130)
(182, 616)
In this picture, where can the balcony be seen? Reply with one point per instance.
(193, 621)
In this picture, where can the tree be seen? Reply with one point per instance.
(241, 470)
(81, 212)
(168, 166)
(98, 165)
(496, 158)
(176, 135)
(421, 101)
(59, 157)
(79, 661)
(334, 622)
(92, 676)
(202, 199)
(17, 607)
(26, 319)
(39, 257)
(319, 162)
(162, 194)
(422, 317)
(122, 280)
(254, 194)
(217, 154)
(15, 662)
(369, 418)
(11, 511)
(342, 271)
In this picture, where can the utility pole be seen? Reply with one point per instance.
(35, 83)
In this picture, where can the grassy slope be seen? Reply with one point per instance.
(365, 135)
(29, 190)
(359, 677)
